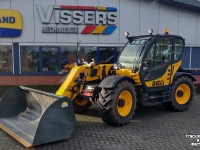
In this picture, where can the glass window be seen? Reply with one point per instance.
(6, 64)
(159, 53)
(56, 59)
(107, 55)
(87, 54)
(150, 56)
(69, 54)
(68, 58)
(178, 49)
(30, 59)
(131, 53)
(49, 59)
(163, 52)
(119, 50)
(64, 58)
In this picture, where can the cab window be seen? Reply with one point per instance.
(178, 49)
(160, 53)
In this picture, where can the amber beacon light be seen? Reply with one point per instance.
(166, 31)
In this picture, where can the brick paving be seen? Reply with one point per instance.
(152, 128)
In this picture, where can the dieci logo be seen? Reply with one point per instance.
(10, 23)
(98, 20)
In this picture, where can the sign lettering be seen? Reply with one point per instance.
(104, 18)
(6, 19)
(60, 30)
(158, 83)
(10, 23)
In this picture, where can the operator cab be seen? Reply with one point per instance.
(153, 56)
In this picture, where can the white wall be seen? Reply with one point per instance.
(28, 31)
(135, 16)
(85, 38)
(5, 4)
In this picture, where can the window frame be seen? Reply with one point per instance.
(41, 72)
(155, 49)
(174, 45)
(54, 73)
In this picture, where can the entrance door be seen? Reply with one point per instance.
(156, 71)
(107, 55)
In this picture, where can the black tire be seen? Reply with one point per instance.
(141, 98)
(173, 104)
(108, 103)
(81, 108)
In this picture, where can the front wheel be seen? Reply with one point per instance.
(80, 104)
(117, 106)
(182, 94)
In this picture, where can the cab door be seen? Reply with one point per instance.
(157, 64)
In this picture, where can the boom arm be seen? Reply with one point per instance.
(79, 75)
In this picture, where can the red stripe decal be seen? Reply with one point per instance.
(88, 29)
(78, 7)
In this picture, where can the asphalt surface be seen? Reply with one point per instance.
(152, 128)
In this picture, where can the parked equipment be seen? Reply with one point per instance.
(147, 73)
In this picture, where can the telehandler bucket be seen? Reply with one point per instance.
(34, 117)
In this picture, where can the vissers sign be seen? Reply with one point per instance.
(98, 20)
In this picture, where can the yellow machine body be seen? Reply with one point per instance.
(32, 116)
(72, 79)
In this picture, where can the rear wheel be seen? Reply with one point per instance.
(182, 94)
(117, 106)
(80, 104)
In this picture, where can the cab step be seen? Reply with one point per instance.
(152, 103)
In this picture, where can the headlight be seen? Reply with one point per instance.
(126, 34)
(117, 66)
(85, 73)
(150, 31)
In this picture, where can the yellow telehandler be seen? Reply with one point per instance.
(147, 73)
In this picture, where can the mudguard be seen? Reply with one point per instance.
(185, 74)
(111, 81)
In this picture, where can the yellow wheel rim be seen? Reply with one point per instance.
(81, 102)
(182, 98)
(126, 98)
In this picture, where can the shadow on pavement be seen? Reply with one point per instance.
(141, 112)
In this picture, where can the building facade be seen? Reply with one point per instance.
(37, 38)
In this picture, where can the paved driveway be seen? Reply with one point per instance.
(151, 128)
